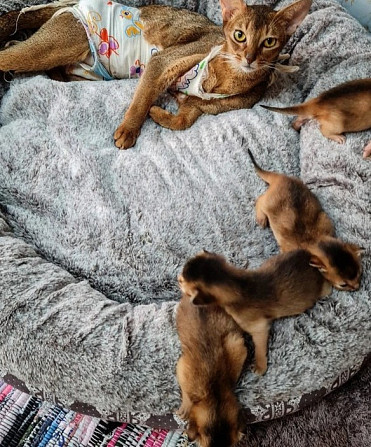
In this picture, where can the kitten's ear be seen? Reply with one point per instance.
(294, 14)
(357, 250)
(230, 7)
(360, 251)
(317, 263)
(201, 299)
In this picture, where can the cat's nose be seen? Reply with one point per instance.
(250, 58)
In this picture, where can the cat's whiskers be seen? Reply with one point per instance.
(281, 68)
(236, 63)
(276, 67)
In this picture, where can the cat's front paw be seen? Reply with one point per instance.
(168, 120)
(124, 137)
(161, 116)
(259, 369)
(183, 412)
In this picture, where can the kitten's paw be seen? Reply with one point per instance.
(262, 220)
(367, 150)
(125, 138)
(260, 370)
(338, 138)
(183, 412)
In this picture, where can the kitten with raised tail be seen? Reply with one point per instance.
(297, 220)
(213, 354)
(344, 108)
(216, 68)
(283, 286)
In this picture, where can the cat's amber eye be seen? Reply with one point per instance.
(239, 36)
(270, 42)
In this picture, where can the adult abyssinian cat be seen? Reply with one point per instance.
(233, 62)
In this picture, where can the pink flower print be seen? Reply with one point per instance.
(137, 69)
(108, 44)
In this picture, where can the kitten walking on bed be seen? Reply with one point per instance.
(344, 108)
(297, 220)
(213, 354)
(222, 68)
(283, 286)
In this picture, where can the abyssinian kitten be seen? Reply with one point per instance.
(344, 108)
(243, 54)
(297, 220)
(282, 286)
(213, 354)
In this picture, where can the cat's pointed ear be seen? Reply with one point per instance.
(294, 14)
(317, 263)
(230, 7)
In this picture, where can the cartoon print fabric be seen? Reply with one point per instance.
(119, 50)
(118, 47)
(191, 82)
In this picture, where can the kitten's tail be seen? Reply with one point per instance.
(299, 109)
(265, 175)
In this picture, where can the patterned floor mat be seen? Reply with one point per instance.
(30, 422)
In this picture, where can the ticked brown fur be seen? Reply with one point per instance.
(213, 354)
(283, 286)
(297, 220)
(242, 69)
(344, 108)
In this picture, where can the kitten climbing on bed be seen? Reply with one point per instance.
(283, 286)
(297, 220)
(221, 68)
(344, 108)
(213, 354)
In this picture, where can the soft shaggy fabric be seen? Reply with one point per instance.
(341, 419)
(88, 273)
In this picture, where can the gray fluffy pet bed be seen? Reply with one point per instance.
(92, 238)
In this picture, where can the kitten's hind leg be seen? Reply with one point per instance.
(297, 124)
(185, 407)
(333, 131)
(184, 383)
(261, 217)
(259, 331)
